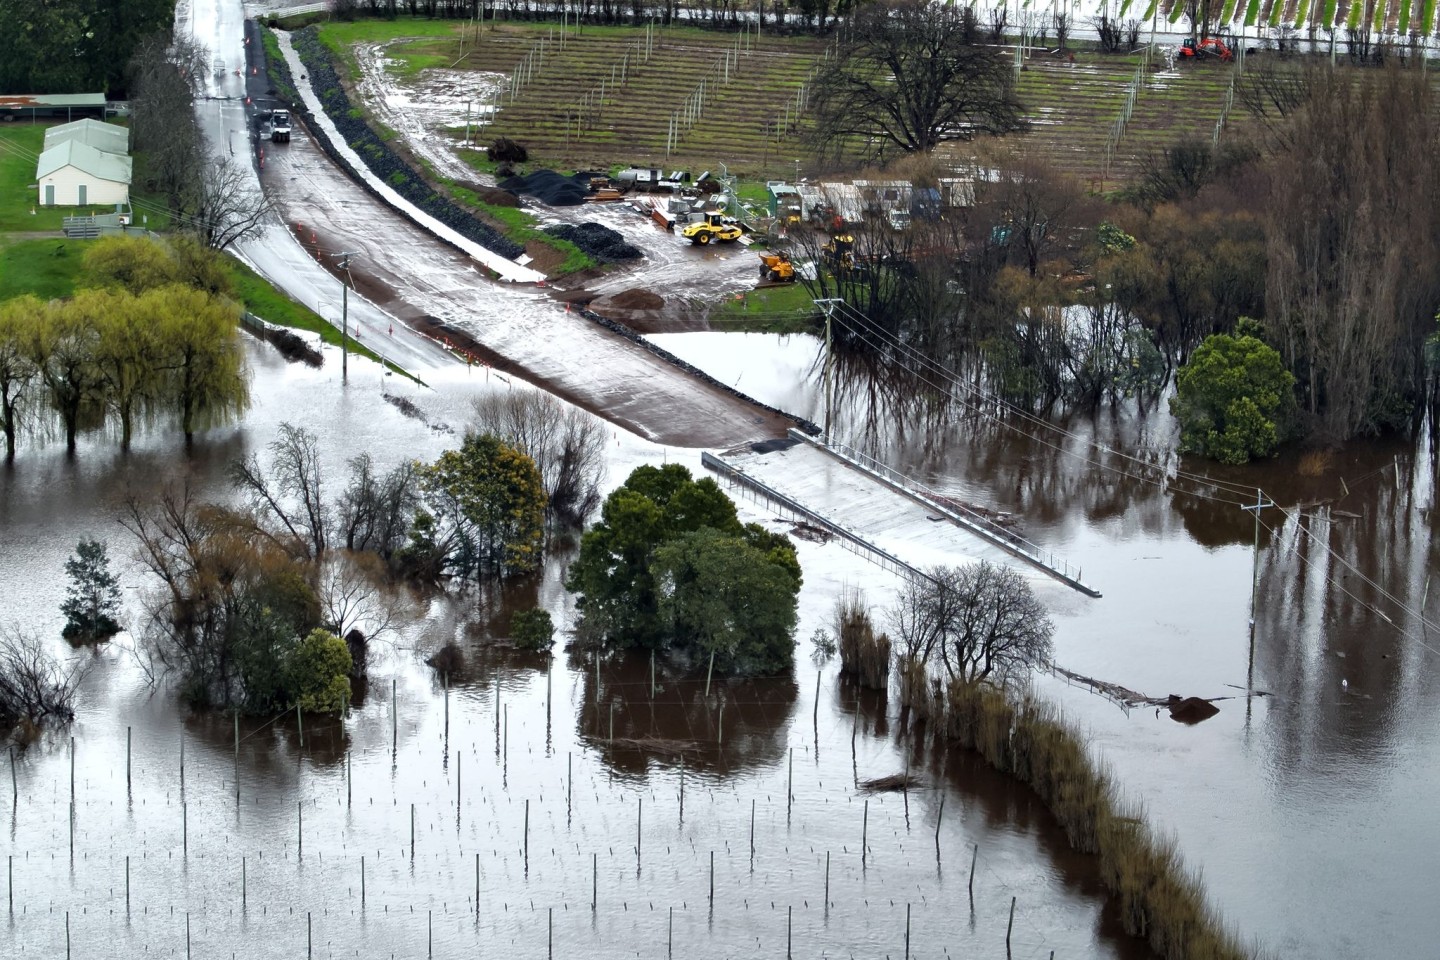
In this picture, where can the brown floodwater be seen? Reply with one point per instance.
(507, 778)
(1308, 806)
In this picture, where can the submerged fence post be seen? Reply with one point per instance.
(412, 831)
(973, 856)
(594, 881)
(300, 724)
(907, 931)
(127, 760)
(864, 832)
(752, 834)
(127, 884)
(827, 880)
(789, 929)
(712, 878)
(242, 883)
(362, 881)
(1009, 926)
(394, 719)
(569, 779)
(639, 810)
(527, 834)
(790, 783)
(300, 829)
(477, 885)
(938, 818)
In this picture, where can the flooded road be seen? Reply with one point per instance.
(517, 739)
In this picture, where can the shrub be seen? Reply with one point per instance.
(532, 630)
(319, 673)
(505, 150)
(863, 654)
(449, 659)
(1234, 399)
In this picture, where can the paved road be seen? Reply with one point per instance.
(409, 277)
(275, 252)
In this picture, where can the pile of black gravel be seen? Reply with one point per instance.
(550, 187)
(378, 156)
(598, 242)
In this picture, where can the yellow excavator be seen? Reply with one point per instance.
(776, 268)
(713, 227)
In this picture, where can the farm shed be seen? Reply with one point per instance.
(74, 174)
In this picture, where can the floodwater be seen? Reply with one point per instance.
(260, 854)
(1309, 809)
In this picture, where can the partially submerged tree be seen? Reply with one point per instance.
(640, 571)
(34, 686)
(488, 511)
(978, 622)
(912, 77)
(93, 597)
(566, 443)
(533, 630)
(1234, 399)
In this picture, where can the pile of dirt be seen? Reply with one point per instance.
(550, 187)
(637, 299)
(597, 241)
(491, 195)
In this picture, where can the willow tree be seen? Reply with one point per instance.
(911, 76)
(128, 358)
(64, 347)
(206, 381)
(19, 320)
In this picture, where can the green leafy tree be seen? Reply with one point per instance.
(612, 573)
(207, 384)
(19, 321)
(629, 598)
(489, 500)
(1234, 399)
(533, 630)
(319, 673)
(93, 598)
(129, 357)
(720, 596)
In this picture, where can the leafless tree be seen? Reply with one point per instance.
(566, 443)
(288, 503)
(908, 79)
(352, 596)
(1354, 260)
(35, 687)
(976, 622)
(229, 204)
(375, 511)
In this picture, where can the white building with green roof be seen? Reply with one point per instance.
(75, 174)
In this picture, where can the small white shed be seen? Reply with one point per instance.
(75, 174)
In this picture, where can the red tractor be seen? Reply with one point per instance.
(1209, 47)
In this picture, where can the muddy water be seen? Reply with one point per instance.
(1310, 808)
(279, 867)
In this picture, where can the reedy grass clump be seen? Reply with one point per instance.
(1158, 898)
(863, 653)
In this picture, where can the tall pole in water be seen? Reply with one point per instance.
(344, 264)
(1260, 504)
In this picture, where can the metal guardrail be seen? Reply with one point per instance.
(854, 541)
(983, 527)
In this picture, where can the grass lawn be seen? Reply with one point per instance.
(272, 306)
(20, 145)
(783, 309)
(46, 268)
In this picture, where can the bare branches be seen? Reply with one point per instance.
(292, 510)
(566, 443)
(977, 622)
(912, 78)
(229, 204)
(35, 687)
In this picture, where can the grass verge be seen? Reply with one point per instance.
(1158, 898)
(782, 309)
(272, 306)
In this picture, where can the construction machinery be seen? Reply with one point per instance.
(839, 252)
(713, 225)
(1199, 50)
(776, 268)
(280, 126)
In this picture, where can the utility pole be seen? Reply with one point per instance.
(828, 306)
(344, 259)
(1260, 504)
